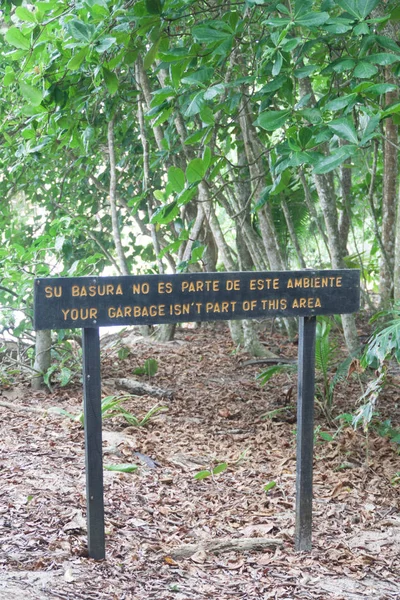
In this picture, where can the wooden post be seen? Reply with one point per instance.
(305, 433)
(93, 442)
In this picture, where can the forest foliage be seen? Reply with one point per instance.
(148, 136)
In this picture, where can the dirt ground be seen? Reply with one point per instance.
(217, 413)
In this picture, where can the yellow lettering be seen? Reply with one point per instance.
(65, 313)
(290, 283)
(338, 282)
(275, 283)
(127, 311)
(283, 303)
(302, 303)
(83, 291)
(48, 291)
(118, 291)
(92, 313)
(75, 290)
(92, 290)
(136, 311)
(234, 284)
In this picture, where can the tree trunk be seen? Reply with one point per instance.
(326, 194)
(42, 358)
(390, 170)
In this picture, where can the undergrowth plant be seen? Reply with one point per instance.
(111, 406)
(328, 372)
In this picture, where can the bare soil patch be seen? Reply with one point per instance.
(214, 415)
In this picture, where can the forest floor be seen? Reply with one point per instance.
(218, 413)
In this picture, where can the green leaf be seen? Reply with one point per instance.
(219, 468)
(328, 163)
(195, 105)
(80, 31)
(122, 468)
(341, 102)
(75, 62)
(272, 119)
(8, 78)
(104, 44)
(111, 81)
(31, 94)
(151, 54)
(359, 9)
(383, 58)
(207, 35)
(176, 178)
(195, 170)
(324, 435)
(202, 75)
(202, 475)
(344, 128)
(25, 15)
(213, 91)
(150, 367)
(165, 214)
(269, 486)
(312, 19)
(305, 71)
(276, 68)
(381, 88)
(65, 376)
(364, 70)
(154, 7)
(15, 38)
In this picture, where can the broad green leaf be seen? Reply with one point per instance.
(305, 71)
(202, 475)
(213, 91)
(176, 178)
(195, 105)
(328, 163)
(344, 128)
(219, 468)
(17, 39)
(276, 22)
(203, 75)
(312, 19)
(151, 54)
(381, 88)
(383, 58)
(273, 85)
(207, 34)
(338, 25)
(65, 376)
(165, 214)
(341, 102)
(111, 81)
(206, 156)
(33, 95)
(25, 15)
(195, 170)
(83, 32)
(122, 468)
(104, 44)
(360, 9)
(153, 7)
(75, 62)
(391, 110)
(364, 70)
(272, 119)
(8, 78)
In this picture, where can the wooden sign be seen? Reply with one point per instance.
(93, 302)
(65, 303)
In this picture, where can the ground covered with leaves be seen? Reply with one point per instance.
(218, 416)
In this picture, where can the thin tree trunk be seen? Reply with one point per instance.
(292, 233)
(390, 172)
(42, 358)
(113, 201)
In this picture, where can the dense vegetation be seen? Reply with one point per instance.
(149, 136)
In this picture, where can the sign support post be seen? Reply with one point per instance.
(93, 442)
(305, 432)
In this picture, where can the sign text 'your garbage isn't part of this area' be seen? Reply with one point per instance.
(63, 303)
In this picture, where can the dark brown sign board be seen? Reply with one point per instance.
(93, 302)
